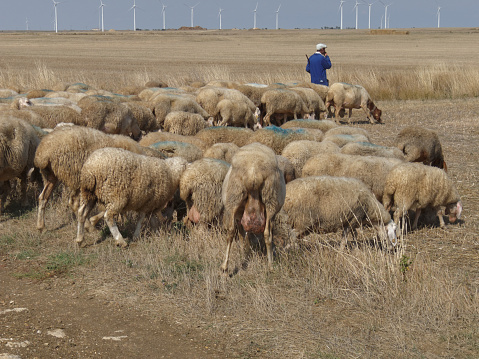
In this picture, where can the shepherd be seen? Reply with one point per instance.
(317, 65)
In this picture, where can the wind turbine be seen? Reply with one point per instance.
(341, 2)
(163, 12)
(254, 18)
(219, 15)
(192, 12)
(102, 5)
(26, 22)
(385, 13)
(438, 16)
(369, 6)
(277, 14)
(134, 14)
(356, 5)
(55, 3)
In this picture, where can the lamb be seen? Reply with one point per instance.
(236, 113)
(253, 192)
(124, 181)
(372, 170)
(62, 153)
(200, 188)
(323, 125)
(221, 151)
(277, 138)
(111, 118)
(188, 151)
(298, 152)
(342, 96)
(184, 123)
(18, 143)
(282, 101)
(371, 149)
(154, 137)
(416, 186)
(240, 136)
(328, 204)
(421, 145)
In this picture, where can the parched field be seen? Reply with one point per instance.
(318, 301)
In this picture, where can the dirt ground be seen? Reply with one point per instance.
(60, 318)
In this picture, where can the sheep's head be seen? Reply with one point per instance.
(377, 114)
(454, 211)
(391, 229)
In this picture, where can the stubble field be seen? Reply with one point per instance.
(319, 301)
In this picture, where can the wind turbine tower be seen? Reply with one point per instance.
(254, 16)
(369, 6)
(102, 5)
(385, 13)
(55, 4)
(219, 15)
(356, 5)
(163, 12)
(192, 12)
(438, 16)
(277, 14)
(134, 14)
(26, 22)
(341, 3)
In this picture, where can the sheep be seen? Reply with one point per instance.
(371, 149)
(18, 143)
(252, 91)
(342, 96)
(236, 113)
(348, 130)
(221, 151)
(313, 102)
(143, 115)
(154, 137)
(328, 204)
(50, 116)
(282, 101)
(208, 98)
(166, 103)
(372, 170)
(253, 192)
(111, 118)
(416, 186)
(188, 151)
(62, 153)
(286, 168)
(200, 187)
(342, 140)
(277, 138)
(321, 90)
(323, 125)
(240, 136)
(124, 181)
(421, 145)
(49, 100)
(184, 123)
(298, 152)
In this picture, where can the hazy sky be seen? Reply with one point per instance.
(85, 14)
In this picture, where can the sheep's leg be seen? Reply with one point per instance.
(268, 241)
(23, 189)
(110, 221)
(229, 242)
(416, 218)
(50, 183)
(95, 219)
(439, 214)
(136, 234)
(336, 114)
(83, 211)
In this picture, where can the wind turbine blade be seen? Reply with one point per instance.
(256, 8)
(278, 8)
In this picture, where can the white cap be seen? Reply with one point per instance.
(320, 46)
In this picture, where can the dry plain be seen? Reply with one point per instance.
(319, 301)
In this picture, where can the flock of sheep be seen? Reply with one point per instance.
(247, 157)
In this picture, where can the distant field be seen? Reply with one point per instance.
(318, 301)
(116, 59)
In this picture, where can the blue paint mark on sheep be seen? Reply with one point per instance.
(169, 144)
(283, 131)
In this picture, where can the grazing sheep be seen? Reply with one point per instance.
(154, 137)
(371, 149)
(166, 103)
(372, 170)
(62, 153)
(184, 123)
(342, 96)
(111, 118)
(298, 152)
(286, 168)
(313, 102)
(342, 140)
(222, 151)
(188, 151)
(421, 145)
(18, 143)
(328, 204)
(235, 113)
(348, 130)
(321, 90)
(200, 187)
(124, 181)
(283, 102)
(143, 115)
(240, 136)
(50, 116)
(253, 192)
(323, 125)
(277, 138)
(252, 91)
(416, 186)
(209, 97)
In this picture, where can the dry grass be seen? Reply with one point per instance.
(319, 301)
